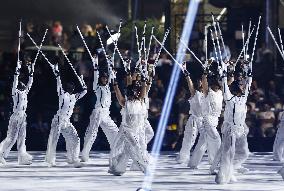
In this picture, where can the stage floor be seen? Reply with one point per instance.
(169, 176)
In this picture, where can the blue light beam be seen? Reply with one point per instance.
(188, 25)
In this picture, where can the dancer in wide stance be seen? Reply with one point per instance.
(17, 122)
(194, 122)
(127, 144)
(61, 122)
(234, 144)
(100, 115)
(209, 138)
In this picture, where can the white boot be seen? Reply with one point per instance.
(77, 164)
(182, 160)
(25, 159)
(2, 160)
(85, 156)
(281, 172)
(243, 170)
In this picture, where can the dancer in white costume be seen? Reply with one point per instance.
(234, 144)
(194, 122)
(61, 123)
(17, 122)
(209, 138)
(146, 132)
(278, 146)
(127, 143)
(100, 115)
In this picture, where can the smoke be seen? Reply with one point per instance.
(70, 11)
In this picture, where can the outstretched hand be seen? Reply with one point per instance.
(184, 70)
(95, 61)
(55, 69)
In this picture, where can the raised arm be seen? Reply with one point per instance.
(225, 88)
(84, 87)
(56, 72)
(128, 77)
(188, 80)
(31, 67)
(205, 87)
(119, 96)
(248, 80)
(16, 78)
(96, 74)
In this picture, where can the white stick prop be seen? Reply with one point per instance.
(191, 52)
(149, 46)
(38, 51)
(246, 53)
(256, 35)
(244, 47)
(217, 38)
(223, 43)
(85, 44)
(102, 45)
(243, 37)
(214, 45)
(163, 42)
(19, 45)
(206, 42)
(281, 53)
(162, 46)
(116, 48)
(69, 62)
(281, 43)
(51, 65)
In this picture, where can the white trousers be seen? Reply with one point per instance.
(278, 146)
(127, 145)
(190, 133)
(234, 152)
(209, 139)
(99, 117)
(61, 125)
(16, 132)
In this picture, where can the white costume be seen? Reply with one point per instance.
(61, 124)
(194, 123)
(278, 146)
(209, 138)
(17, 123)
(146, 134)
(99, 117)
(234, 148)
(127, 143)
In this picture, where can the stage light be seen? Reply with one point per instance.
(188, 25)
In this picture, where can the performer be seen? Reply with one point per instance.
(234, 129)
(278, 146)
(194, 122)
(100, 115)
(61, 122)
(209, 138)
(146, 132)
(17, 122)
(127, 143)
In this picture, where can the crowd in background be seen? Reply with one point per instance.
(264, 104)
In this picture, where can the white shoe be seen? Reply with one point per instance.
(243, 170)
(281, 172)
(233, 179)
(135, 167)
(77, 164)
(182, 160)
(25, 159)
(2, 160)
(85, 157)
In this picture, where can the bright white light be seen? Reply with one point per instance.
(187, 28)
